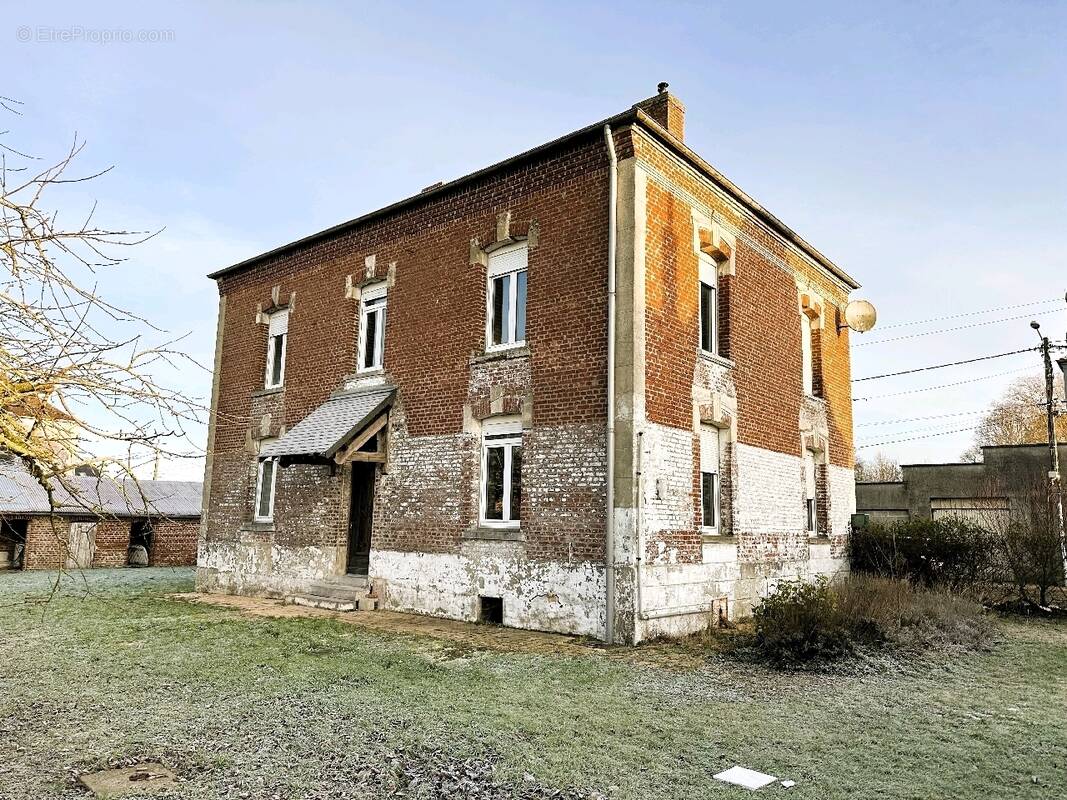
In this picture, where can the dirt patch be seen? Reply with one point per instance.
(466, 636)
(140, 778)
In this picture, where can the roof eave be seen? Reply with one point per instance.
(627, 117)
(426, 194)
(744, 198)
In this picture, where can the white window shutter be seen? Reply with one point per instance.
(709, 448)
(279, 323)
(499, 426)
(508, 259)
(809, 474)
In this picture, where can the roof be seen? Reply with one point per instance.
(31, 405)
(328, 428)
(630, 116)
(20, 493)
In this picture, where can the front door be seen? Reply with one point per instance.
(360, 517)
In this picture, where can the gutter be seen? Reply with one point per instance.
(609, 534)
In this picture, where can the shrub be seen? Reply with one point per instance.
(799, 622)
(893, 612)
(1031, 550)
(802, 622)
(947, 553)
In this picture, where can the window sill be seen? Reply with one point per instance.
(488, 533)
(714, 358)
(258, 527)
(501, 354)
(269, 391)
(818, 538)
(706, 537)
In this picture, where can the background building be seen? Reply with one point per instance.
(100, 522)
(1007, 478)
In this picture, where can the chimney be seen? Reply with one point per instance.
(667, 110)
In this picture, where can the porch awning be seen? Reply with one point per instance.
(331, 426)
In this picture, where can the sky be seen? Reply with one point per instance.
(919, 146)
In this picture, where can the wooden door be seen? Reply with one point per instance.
(81, 545)
(360, 518)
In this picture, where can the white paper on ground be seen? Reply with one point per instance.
(789, 784)
(742, 776)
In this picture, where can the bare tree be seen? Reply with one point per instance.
(78, 376)
(1017, 417)
(879, 468)
(1020, 512)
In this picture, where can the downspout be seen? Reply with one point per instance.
(609, 538)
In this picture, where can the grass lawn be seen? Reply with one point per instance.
(254, 707)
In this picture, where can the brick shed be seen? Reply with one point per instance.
(96, 522)
(595, 388)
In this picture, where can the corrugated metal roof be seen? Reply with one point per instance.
(20, 493)
(333, 424)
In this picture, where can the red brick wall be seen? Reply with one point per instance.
(46, 543)
(436, 322)
(112, 543)
(173, 543)
(760, 333)
(763, 322)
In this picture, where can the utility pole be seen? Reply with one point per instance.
(1055, 490)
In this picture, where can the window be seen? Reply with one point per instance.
(810, 517)
(372, 327)
(277, 333)
(506, 298)
(502, 472)
(268, 475)
(709, 307)
(806, 354)
(709, 478)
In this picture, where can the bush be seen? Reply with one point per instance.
(893, 612)
(1031, 550)
(947, 553)
(802, 622)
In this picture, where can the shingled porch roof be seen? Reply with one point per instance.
(331, 426)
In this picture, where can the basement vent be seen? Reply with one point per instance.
(491, 610)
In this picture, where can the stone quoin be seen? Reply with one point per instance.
(420, 397)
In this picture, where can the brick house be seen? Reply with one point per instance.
(598, 352)
(95, 522)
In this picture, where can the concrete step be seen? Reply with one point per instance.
(339, 591)
(360, 581)
(313, 599)
(310, 600)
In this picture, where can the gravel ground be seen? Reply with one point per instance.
(111, 671)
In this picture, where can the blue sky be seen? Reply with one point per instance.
(920, 146)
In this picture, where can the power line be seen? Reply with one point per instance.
(921, 419)
(913, 438)
(949, 330)
(945, 416)
(942, 385)
(924, 429)
(971, 313)
(942, 366)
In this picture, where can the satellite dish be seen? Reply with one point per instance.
(860, 316)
